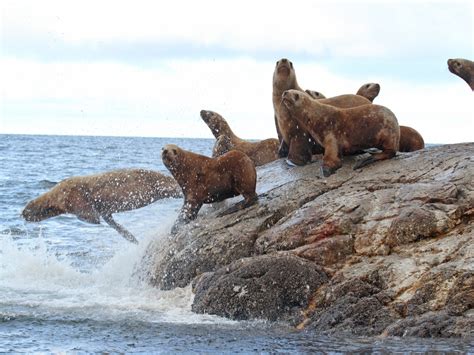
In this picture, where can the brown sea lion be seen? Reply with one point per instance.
(464, 68)
(207, 180)
(410, 140)
(370, 91)
(345, 131)
(261, 152)
(100, 195)
(294, 142)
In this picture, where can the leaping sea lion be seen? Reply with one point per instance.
(260, 152)
(208, 180)
(100, 195)
(464, 68)
(345, 131)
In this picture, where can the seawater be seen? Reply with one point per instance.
(66, 285)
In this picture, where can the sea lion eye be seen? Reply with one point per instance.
(291, 65)
(174, 151)
(367, 86)
(297, 97)
(278, 62)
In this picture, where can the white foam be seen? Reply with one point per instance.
(35, 280)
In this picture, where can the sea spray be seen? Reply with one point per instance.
(36, 282)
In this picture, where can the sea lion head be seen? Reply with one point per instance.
(454, 66)
(370, 91)
(284, 75)
(43, 207)
(69, 196)
(315, 94)
(214, 121)
(170, 155)
(294, 98)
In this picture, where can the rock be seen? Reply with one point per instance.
(383, 250)
(267, 287)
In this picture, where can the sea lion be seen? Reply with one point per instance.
(294, 142)
(315, 94)
(345, 131)
(100, 195)
(207, 180)
(410, 140)
(260, 152)
(370, 91)
(464, 68)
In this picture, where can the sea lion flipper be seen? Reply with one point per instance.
(123, 232)
(283, 150)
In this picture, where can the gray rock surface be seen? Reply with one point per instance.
(383, 250)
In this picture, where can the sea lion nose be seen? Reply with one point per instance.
(284, 60)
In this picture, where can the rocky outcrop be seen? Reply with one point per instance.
(388, 249)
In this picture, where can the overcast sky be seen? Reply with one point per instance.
(146, 68)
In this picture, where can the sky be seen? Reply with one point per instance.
(147, 68)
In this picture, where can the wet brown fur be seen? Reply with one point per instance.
(260, 152)
(345, 101)
(100, 195)
(345, 131)
(207, 180)
(464, 68)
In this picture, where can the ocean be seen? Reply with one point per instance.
(69, 286)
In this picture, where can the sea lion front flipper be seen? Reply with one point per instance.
(283, 150)
(123, 232)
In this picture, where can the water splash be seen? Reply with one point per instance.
(34, 281)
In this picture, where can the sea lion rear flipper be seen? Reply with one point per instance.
(123, 232)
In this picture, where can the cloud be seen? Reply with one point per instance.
(109, 98)
(305, 27)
